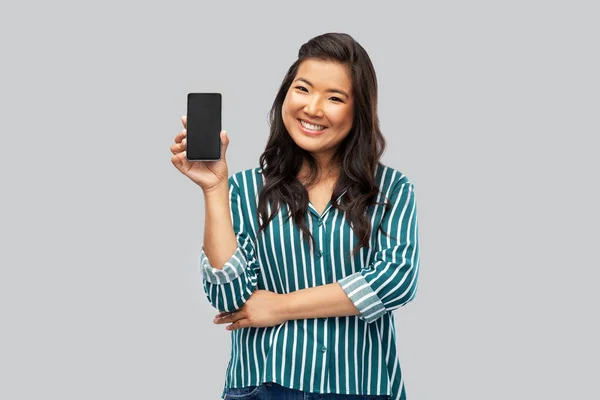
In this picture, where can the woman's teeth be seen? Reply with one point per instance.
(311, 126)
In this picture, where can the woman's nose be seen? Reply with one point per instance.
(313, 108)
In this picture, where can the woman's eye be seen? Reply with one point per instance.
(302, 88)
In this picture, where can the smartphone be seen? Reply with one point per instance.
(203, 141)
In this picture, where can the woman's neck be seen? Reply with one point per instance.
(324, 176)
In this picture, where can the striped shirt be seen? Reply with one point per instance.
(346, 355)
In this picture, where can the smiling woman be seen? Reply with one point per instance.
(308, 255)
(317, 120)
(332, 85)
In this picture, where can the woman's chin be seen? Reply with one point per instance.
(308, 145)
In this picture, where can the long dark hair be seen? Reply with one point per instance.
(358, 154)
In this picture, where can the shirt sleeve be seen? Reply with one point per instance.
(227, 289)
(390, 281)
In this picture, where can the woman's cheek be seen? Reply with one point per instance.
(295, 100)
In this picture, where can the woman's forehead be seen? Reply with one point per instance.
(325, 73)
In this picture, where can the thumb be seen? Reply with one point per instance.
(224, 144)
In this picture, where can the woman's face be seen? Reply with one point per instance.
(320, 94)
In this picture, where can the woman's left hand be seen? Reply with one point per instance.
(261, 310)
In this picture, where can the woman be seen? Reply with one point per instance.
(320, 243)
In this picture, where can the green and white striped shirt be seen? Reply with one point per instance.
(345, 355)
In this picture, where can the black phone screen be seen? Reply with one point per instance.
(203, 142)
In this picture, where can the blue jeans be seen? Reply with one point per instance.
(274, 391)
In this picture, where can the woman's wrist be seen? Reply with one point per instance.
(218, 190)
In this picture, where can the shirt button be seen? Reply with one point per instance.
(323, 349)
(320, 222)
(320, 254)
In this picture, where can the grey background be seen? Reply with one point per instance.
(490, 108)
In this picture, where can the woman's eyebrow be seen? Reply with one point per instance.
(328, 90)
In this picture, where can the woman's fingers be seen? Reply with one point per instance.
(178, 147)
(184, 121)
(180, 136)
(180, 140)
(223, 317)
(180, 162)
(241, 323)
(224, 144)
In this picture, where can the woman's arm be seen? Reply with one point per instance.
(265, 308)
(228, 258)
(318, 302)
(219, 238)
(391, 280)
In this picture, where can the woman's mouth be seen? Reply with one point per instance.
(310, 129)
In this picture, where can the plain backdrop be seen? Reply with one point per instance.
(490, 108)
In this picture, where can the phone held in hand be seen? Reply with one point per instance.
(203, 141)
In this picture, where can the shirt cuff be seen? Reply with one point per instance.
(233, 268)
(362, 295)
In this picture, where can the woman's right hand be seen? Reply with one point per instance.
(207, 174)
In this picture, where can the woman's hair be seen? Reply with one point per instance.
(358, 154)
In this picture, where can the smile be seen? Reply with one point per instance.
(310, 129)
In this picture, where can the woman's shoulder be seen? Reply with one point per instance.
(387, 176)
(247, 179)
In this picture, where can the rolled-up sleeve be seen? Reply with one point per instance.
(227, 289)
(390, 281)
